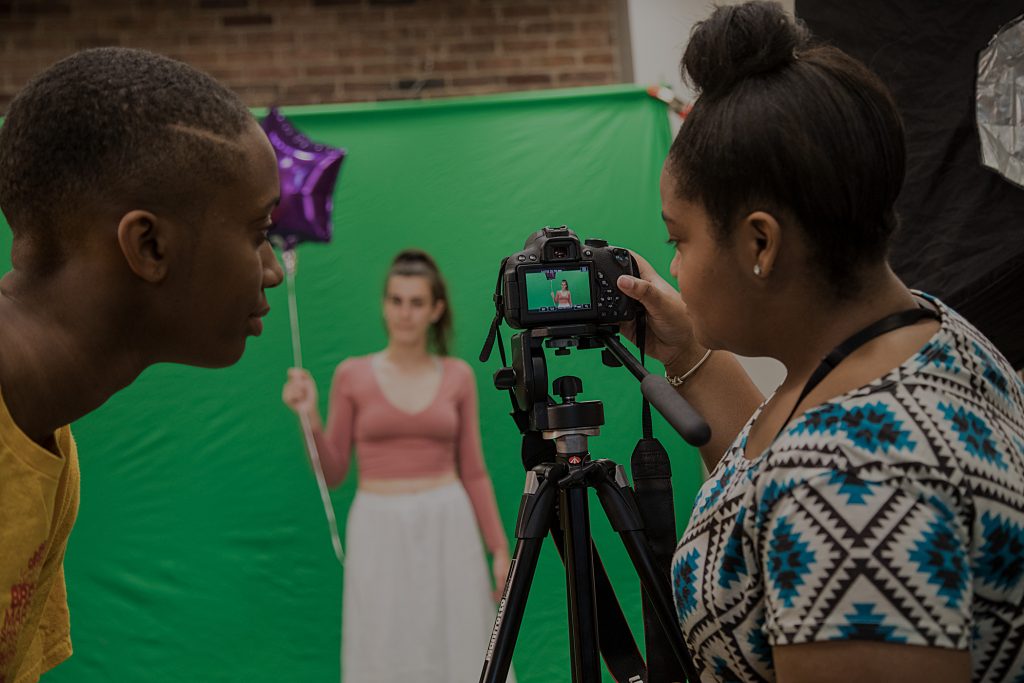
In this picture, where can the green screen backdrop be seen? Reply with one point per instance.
(201, 551)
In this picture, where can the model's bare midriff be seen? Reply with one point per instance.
(408, 485)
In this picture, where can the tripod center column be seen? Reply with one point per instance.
(572, 447)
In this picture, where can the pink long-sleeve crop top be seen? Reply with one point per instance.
(391, 443)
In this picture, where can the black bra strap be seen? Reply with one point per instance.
(876, 329)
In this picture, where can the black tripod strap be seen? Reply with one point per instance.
(652, 481)
(646, 425)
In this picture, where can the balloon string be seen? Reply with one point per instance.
(325, 496)
(307, 428)
(290, 263)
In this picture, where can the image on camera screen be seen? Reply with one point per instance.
(557, 289)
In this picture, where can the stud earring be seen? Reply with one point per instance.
(757, 269)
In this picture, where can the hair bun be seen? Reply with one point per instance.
(739, 41)
(414, 256)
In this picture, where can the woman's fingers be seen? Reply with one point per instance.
(670, 334)
(299, 392)
(638, 289)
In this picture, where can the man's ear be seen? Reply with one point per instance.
(144, 241)
(761, 236)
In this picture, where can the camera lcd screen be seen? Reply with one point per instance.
(553, 290)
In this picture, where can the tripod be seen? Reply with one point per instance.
(556, 499)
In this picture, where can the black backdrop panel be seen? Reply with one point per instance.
(962, 225)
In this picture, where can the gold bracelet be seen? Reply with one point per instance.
(677, 380)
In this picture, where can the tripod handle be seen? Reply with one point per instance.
(676, 410)
(673, 407)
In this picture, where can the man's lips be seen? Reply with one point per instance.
(256, 321)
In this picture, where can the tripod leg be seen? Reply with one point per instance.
(579, 575)
(618, 647)
(620, 506)
(535, 516)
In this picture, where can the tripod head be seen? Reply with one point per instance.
(526, 378)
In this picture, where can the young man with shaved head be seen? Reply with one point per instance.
(139, 192)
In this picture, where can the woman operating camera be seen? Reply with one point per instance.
(866, 521)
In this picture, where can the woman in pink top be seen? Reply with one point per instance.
(418, 604)
(563, 297)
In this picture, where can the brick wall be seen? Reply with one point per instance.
(311, 51)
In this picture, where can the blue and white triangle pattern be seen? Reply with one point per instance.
(892, 513)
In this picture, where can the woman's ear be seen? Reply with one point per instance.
(761, 238)
(144, 242)
(437, 312)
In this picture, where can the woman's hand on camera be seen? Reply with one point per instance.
(300, 393)
(669, 335)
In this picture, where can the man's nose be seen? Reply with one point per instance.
(273, 274)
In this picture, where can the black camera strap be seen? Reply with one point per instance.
(519, 416)
(652, 481)
(492, 333)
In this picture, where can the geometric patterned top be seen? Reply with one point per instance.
(894, 512)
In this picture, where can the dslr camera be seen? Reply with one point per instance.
(556, 280)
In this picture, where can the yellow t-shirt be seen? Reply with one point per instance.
(38, 504)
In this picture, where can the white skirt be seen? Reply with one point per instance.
(417, 599)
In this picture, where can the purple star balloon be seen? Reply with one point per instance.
(308, 173)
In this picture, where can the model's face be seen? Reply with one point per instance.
(410, 309)
(706, 271)
(565, 285)
(232, 262)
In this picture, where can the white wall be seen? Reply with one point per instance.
(658, 31)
